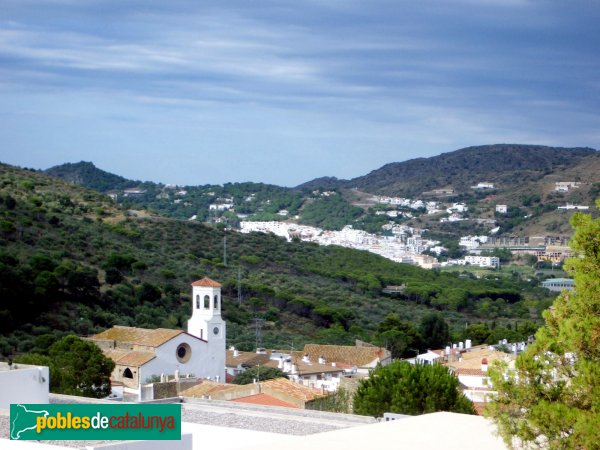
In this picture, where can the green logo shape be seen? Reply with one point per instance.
(95, 422)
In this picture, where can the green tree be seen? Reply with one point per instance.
(77, 367)
(410, 389)
(552, 397)
(434, 330)
(398, 336)
(258, 373)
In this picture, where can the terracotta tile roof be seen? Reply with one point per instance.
(207, 282)
(310, 368)
(129, 358)
(139, 336)
(472, 359)
(113, 354)
(469, 372)
(355, 355)
(271, 363)
(136, 359)
(342, 365)
(248, 359)
(264, 399)
(290, 388)
(207, 388)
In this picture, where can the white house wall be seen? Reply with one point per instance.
(472, 381)
(26, 385)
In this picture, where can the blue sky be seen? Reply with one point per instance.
(195, 92)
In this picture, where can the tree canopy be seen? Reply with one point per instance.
(552, 397)
(77, 367)
(410, 389)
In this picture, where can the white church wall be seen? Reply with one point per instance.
(166, 360)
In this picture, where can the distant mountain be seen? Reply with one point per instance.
(321, 183)
(500, 163)
(86, 174)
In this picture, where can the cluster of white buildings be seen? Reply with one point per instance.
(565, 186)
(404, 246)
(472, 242)
(431, 207)
(455, 212)
(486, 262)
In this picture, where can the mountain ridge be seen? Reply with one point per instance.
(418, 175)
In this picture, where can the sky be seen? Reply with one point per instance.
(197, 92)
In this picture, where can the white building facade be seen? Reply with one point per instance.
(144, 355)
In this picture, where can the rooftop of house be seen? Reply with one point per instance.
(207, 388)
(355, 355)
(288, 387)
(5, 367)
(246, 359)
(470, 361)
(309, 368)
(264, 399)
(137, 336)
(428, 431)
(207, 282)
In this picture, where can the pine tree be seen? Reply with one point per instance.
(552, 397)
(404, 388)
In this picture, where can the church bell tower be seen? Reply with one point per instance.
(207, 324)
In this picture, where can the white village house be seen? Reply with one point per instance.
(141, 354)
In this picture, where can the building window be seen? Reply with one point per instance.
(127, 373)
(184, 353)
(216, 302)
(206, 302)
(197, 302)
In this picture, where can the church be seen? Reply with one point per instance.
(142, 354)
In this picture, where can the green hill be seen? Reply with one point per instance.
(500, 163)
(71, 260)
(86, 174)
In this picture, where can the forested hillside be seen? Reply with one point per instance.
(512, 163)
(87, 175)
(524, 178)
(73, 261)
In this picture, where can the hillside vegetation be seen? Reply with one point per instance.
(501, 163)
(71, 260)
(524, 177)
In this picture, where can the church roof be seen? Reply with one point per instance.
(139, 336)
(136, 358)
(207, 282)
